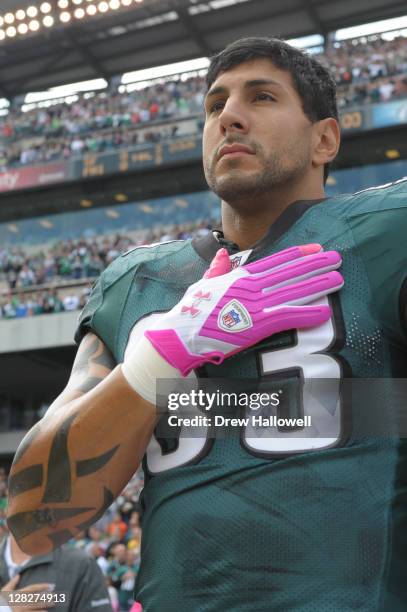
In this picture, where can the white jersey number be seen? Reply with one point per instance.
(320, 376)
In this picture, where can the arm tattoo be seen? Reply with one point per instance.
(91, 366)
(58, 488)
(95, 352)
(107, 501)
(25, 480)
(27, 441)
(91, 363)
(89, 466)
(24, 524)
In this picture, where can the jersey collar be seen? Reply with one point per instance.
(207, 246)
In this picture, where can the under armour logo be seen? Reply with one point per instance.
(199, 296)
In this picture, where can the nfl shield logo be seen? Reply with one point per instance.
(234, 317)
(231, 318)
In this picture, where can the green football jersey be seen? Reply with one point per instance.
(282, 522)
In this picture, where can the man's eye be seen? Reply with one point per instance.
(264, 95)
(216, 106)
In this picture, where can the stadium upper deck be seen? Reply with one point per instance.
(366, 71)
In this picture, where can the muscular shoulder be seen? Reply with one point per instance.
(371, 201)
(140, 256)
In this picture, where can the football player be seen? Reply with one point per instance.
(293, 518)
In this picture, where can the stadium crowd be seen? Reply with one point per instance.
(365, 71)
(30, 280)
(114, 540)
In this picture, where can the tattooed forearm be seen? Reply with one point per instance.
(26, 442)
(60, 537)
(89, 466)
(71, 466)
(24, 524)
(108, 500)
(58, 487)
(25, 480)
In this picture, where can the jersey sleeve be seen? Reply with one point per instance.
(86, 316)
(115, 300)
(101, 314)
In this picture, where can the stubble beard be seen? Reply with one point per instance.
(241, 189)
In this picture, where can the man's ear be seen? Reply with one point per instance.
(326, 141)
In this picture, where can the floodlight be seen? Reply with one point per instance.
(32, 11)
(34, 25)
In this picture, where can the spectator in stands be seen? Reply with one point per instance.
(117, 528)
(67, 571)
(365, 71)
(122, 571)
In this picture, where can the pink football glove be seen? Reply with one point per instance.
(222, 315)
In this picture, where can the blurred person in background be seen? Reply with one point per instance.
(67, 572)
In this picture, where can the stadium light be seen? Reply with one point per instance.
(45, 7)
(32, 11)
(34, 25)
(2, 35)
(53, 13)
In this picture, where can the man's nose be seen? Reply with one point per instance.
(233, 118)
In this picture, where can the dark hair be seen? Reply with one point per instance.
(314, 83)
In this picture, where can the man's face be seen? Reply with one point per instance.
(256, 136)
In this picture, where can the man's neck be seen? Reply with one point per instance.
(247, 223)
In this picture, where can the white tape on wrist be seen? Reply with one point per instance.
(143, 366)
